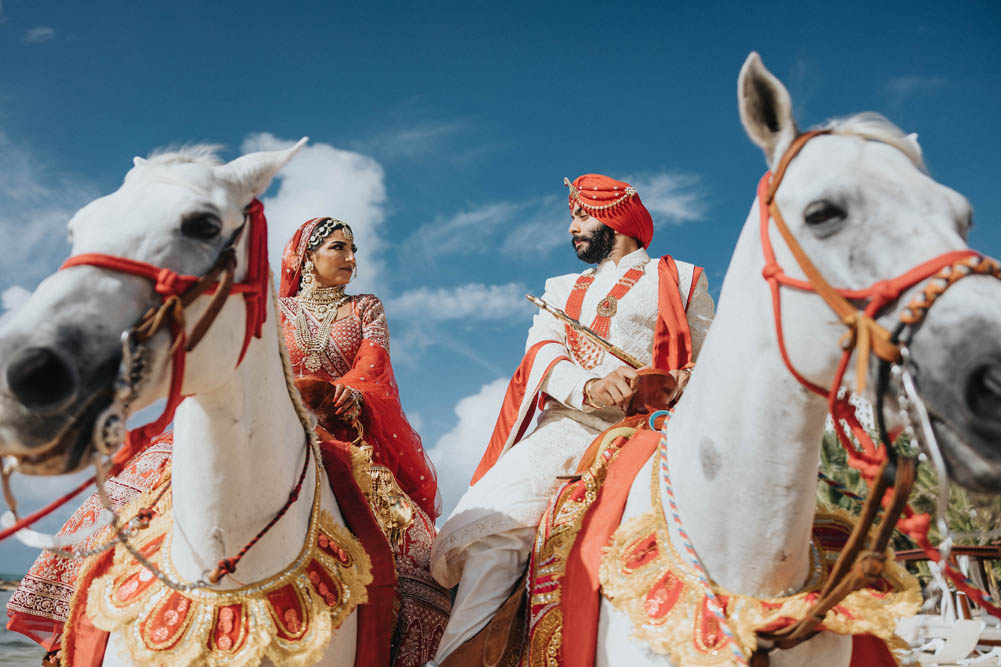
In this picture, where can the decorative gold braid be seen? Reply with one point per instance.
(392, 508)
(916, 310)
(558, 531)
(663, 598)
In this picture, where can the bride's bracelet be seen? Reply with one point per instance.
(355, 411)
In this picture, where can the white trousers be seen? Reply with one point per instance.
(485, 544)
(493, 567)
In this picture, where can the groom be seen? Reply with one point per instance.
(656, 310)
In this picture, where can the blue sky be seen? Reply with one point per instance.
(443, 133)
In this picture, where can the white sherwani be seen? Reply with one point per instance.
(486, 542)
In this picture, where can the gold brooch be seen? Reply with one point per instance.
(608, 306)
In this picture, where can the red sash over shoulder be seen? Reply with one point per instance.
(672, 338)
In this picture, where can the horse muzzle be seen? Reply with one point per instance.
(957, 367)
(55, 380)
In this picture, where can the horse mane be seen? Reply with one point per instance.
(876, 127)
(186, 154)
(168, 156)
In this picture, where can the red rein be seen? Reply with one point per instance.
(169, 284)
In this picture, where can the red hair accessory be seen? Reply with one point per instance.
(614, 203)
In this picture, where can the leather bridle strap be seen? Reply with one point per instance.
(864, 333)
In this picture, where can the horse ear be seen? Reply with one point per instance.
(254, 171)
(138, 161)
(912, 138)
(765, 109)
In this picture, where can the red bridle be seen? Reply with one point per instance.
(176, 292)
(865, 336)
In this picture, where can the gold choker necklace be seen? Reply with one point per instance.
(320, 300)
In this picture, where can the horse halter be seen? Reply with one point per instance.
(177, 292)
(864, 334)
(858, 566)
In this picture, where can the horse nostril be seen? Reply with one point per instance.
(983, 391)
(40, 378)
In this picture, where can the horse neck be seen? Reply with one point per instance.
(744, 444)
(238, 451)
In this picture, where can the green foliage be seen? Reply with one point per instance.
(973, 518)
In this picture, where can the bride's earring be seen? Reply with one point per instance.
(306, 283)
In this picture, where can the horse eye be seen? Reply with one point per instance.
(202, 226)
(822, 211)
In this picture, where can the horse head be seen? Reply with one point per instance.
(60, 355)
(858, 200)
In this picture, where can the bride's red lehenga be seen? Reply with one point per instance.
(356, 355)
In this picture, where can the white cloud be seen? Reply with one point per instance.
(538, 225)
(531, 227)
(326, 181)
(35, 205)
(542, 229)
(902, 87)
(670, 197)
(472, 301)
(467, 232)
(411, 141)
(13, 299)
(408, 346)
(457, 452)
(42, 33)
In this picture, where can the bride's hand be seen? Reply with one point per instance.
(344, 400)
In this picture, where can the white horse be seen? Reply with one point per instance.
(239, 443)
(743, 445)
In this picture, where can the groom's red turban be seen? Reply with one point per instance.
(614, 203)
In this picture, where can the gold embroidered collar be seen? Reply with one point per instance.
(643, 575)
(289, 617)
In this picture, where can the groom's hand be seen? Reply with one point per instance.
(616, 388)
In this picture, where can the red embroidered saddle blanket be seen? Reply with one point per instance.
(574, 535)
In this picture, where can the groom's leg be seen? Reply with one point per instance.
(494, 566)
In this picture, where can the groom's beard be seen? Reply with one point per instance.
(596, 246)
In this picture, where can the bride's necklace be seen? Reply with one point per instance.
(323, 303)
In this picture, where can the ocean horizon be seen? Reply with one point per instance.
(15, 648)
